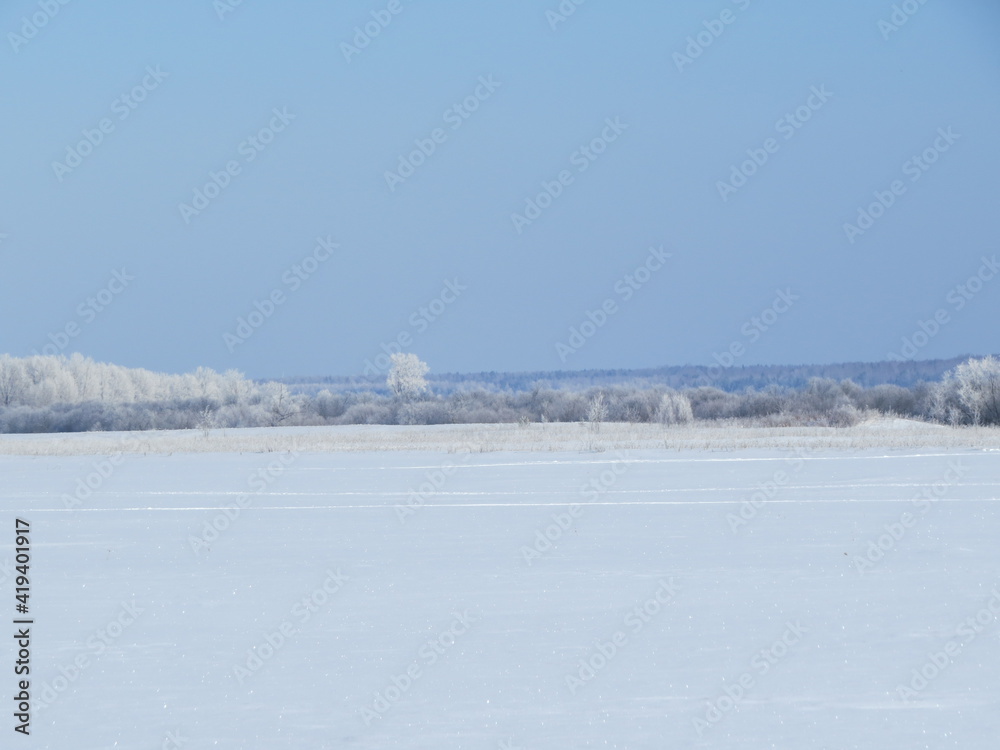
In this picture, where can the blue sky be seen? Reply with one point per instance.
(496, 186)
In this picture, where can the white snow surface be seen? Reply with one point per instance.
(777, 610)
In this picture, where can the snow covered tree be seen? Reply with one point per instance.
(675, 408)
(978, 386)
(236, 389)
(12, 382)
(280, 403)
(406, 376)
(597, 411)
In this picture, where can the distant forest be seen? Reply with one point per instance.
(75, 394)
(731, 379)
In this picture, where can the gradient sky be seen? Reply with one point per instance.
(682, 127)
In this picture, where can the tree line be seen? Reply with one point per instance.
(76, 394)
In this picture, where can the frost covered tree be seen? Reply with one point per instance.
(12, 383)
(675, 408)
(236, 389)
(977, 382)
(406, 376)
(597, 411)
(281, 405)
(42, 381)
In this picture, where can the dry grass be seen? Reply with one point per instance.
(712, 436)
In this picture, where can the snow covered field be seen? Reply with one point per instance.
(485, 438)
(443, 598)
